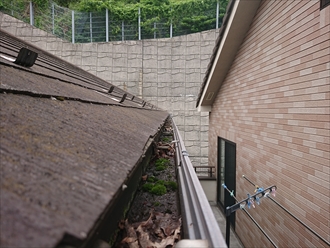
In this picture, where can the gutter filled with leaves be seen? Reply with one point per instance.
(154, 217)
(170, 207)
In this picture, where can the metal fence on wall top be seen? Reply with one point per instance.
(84, 27)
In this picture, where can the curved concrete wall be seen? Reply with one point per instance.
(165, 72)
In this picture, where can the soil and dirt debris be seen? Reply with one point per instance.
(154, 217)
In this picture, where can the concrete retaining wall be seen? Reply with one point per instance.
(165, 72)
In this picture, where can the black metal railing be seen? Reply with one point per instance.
(205, 172)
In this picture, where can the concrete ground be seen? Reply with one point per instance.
(234, 242)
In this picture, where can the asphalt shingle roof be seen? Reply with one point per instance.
(66, 147)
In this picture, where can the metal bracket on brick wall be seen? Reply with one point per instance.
(249, 201)
(259, 189)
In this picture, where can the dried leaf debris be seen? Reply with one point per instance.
(164, 149)
(154, 220)
(158, 231)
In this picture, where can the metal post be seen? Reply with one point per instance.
(171, 29)
(90, 26)
(228, 230)
(228, 214)
(31, 14)
(72, 16)
(139, 24)
(53, 17)
(217, 16)
(122, 31)
(154, 30)
(107, 25)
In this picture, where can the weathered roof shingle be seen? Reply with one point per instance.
(66, 148)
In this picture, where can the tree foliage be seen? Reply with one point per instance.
(192, 15)
(185, 16)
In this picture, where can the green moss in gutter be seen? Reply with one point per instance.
(158, 189)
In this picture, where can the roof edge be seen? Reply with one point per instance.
(237, 21)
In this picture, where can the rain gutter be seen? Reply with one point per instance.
(199, 223)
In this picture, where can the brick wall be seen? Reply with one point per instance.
(274, 104)
(165, 72)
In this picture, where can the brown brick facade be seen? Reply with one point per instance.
(275, 105)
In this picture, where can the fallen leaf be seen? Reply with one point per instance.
(128, 240)
(144, 178)
(144, 241)
(158, 231)
(121, 224)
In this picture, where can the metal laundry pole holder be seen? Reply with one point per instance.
(290, 213)
(250, 202)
